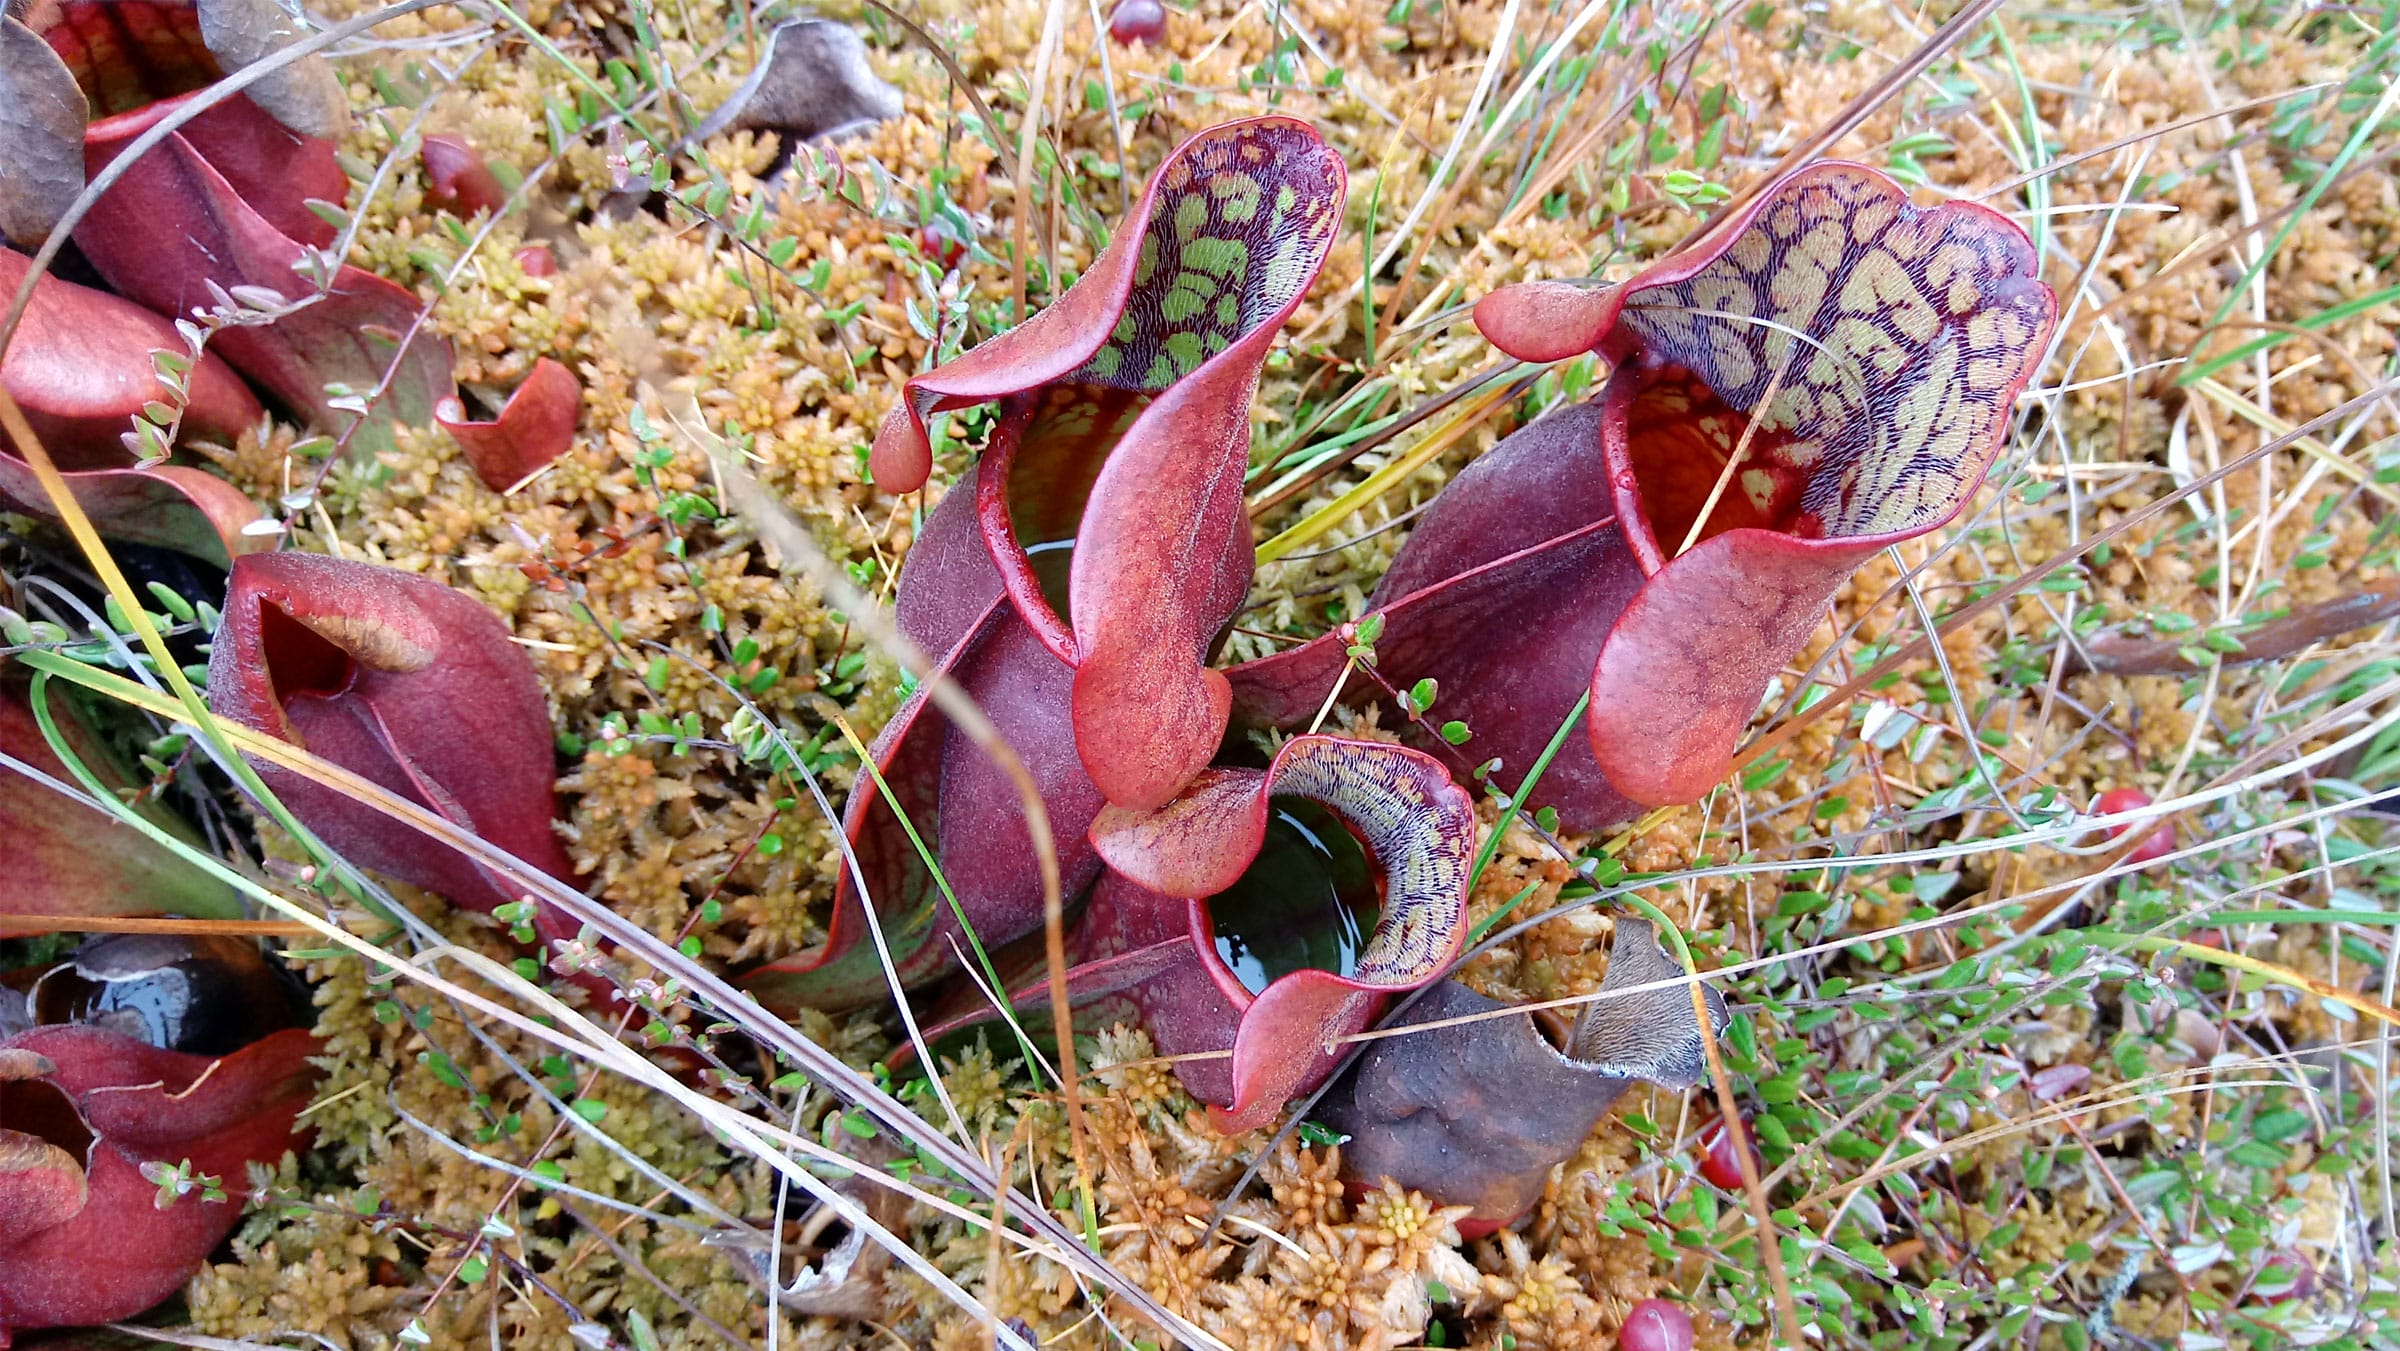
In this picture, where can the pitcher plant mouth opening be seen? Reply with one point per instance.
(1309, 901)
(1698, 468)
(1830, 374)
(1035, 487)
(1125, 429)
(1350, 827)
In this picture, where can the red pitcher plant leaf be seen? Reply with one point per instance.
(535, 426)
(405, 682)
(1124, 478)
(184, 218)
(1477, 1113)
(1131, 959)
(457, 179)
(81, 367)
(963, 807)
(1832, 377)
(129, 1116)
(187, 510)
(1313, 890)
(1521, 533)
(69, 858)
(1263, 915)
(1881, 347)
(222, 206)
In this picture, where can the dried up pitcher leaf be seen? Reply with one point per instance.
(813, 80)
(41, 136)
(1478, 1113)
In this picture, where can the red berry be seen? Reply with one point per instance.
(2161, 841)
(534, 260)
(1656, 1325)
(1718, 1163)
(458, 180)
(1138, 21)
(940, 245)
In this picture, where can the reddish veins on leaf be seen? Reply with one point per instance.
(1832, 375)
(1134, 388)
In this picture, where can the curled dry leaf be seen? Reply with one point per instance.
(69, 858)
(535, 426)
(1882, 348)
(1268, 913)
(86, 1235)
(405, 682)
(834, 1271)
(457, 179)
(964, 807)
(305, 95)
(1478, 1113)
(41, 136)
(81, 368)
(813, 80)
(1120, 465)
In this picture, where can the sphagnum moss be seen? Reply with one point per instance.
(647, 315)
